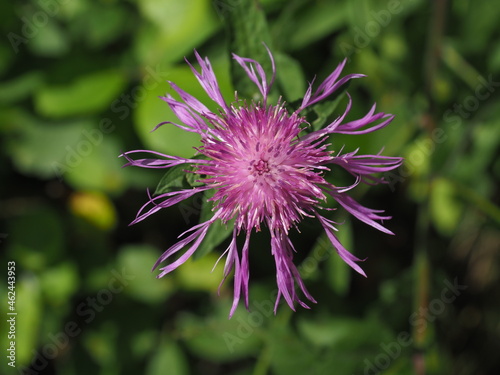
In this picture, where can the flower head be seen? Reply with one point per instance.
(265, 171)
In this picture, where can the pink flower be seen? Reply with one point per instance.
(265, 171)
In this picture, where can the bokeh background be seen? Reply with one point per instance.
(79, 84)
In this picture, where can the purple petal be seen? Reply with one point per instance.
(366, 165)
(286, 272)
(158, 163)
(231, 252)
(354, 127)
(364, 214)
(343, 253)
(197, 236)
(327, 87)
(184, 113)
(259, 77)
(190, 100)
(208, 81)
(174, 197)
(330, 128)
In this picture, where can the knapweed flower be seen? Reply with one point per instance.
(266, 171)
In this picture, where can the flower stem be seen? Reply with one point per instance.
(263, 362)
(434, 48)
(420, 332)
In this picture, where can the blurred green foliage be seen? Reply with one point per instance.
(79, 84)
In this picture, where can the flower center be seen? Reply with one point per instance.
(261, 167)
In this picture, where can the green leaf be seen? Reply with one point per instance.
(178, 177)
(29, 301)
(200, 274)
(59, 283)
(20, 87)
(40, 148)
(144, 342)
(103, 23)
(102, 345)
(307, 24)
(50, 40)
(340, 343)
(98, 169)
(174, 179)
(482, 203)
(290, 355)
(472, 165)
(247, 29)
(343, 332)
(168, 357)
(138, 260)
(217, 338)
(6, 55)
(88, 94)
(358, 13)
(445, 208)
(174, 30)
(290, 77)
(95, 208)
(420, 161)
(478, 27)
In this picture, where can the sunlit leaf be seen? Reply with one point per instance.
(161, 41)
(445, 209)
(95, 207)
(102, 347)
(290, 76)
(138, 260)
(40, 148)
(87, 94)
(49, 40)
(197, 274)
(96, 166)
(29, 302)
(59, 283)
(337, 332)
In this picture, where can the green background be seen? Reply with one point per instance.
(79, 84)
